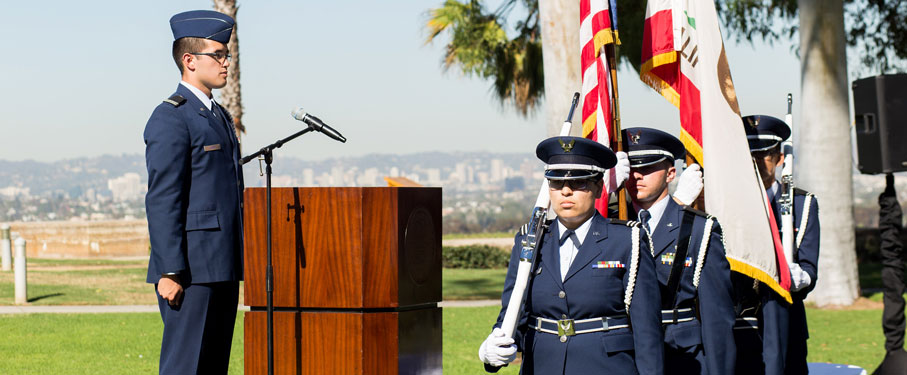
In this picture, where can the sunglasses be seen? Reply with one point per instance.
(580, 184)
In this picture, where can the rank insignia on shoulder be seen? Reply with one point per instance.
(799, 191)
(524, 229)
(608, 264)
(175, 100)
(696, 212)
(629, 223)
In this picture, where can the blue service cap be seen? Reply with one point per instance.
(764, 132)
(205, 24)
(647, 146)
(573, 158)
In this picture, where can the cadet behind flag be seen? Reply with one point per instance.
(684, 60)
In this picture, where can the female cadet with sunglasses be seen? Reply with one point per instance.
(593, 280)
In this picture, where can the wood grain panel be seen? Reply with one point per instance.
(406, 342)
(316, 242)
(345, 247)
(305, 343)
(379, 238)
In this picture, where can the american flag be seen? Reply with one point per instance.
(598, 27)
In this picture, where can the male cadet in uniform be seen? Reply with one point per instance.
(765, 134)
(194, 202)
(694, 275)
(593, 280)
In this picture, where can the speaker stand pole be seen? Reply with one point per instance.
(268, 153)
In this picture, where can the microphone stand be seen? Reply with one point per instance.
(268, 152)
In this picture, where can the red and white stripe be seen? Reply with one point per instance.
(594, 33)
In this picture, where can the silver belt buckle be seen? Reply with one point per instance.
(605, 323)
(565, 327)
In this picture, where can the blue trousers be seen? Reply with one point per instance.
(198, 333)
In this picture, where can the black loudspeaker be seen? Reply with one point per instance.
(880, 110)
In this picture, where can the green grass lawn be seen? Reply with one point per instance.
(77, 344)
(89, 344)
(472, 284)
(129, 343)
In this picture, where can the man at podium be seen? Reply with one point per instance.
(593, 279)
(194, 202)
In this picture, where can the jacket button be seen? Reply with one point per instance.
(561, 294)
(563, 338)
(563, 316)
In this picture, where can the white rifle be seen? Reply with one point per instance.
(787, 189)
(530, 245)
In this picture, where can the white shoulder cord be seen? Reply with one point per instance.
(804, 219)
(634, 262)
(703, 247)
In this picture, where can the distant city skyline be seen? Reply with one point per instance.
(82, 81)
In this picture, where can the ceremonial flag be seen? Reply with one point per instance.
(598, 28)
(684, 60)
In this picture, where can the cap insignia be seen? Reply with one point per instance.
(567, 146)
(634, 137)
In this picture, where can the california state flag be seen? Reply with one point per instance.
(684, 60)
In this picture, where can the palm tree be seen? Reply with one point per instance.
(823, 146)
(231, 94)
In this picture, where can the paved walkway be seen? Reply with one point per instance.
(92, 309)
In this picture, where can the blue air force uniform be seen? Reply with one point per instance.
(765, 133)
(194, 209)
(698, 313)
(806, 244)
(609, 295)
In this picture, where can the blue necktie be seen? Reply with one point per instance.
(644, 217)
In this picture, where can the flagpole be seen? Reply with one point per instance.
(616, 139)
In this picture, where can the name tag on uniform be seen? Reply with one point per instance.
(213, 147)
(608, 264)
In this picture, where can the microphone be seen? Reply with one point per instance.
(316, 124)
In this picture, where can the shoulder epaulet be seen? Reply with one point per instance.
(629, 223)
(799, 191)
(175, 100)
(524, 229)
(696, 212)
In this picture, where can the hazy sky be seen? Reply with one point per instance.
(81, 78)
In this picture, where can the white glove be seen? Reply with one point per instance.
(689, 185)
(799, 279)
(497, 350)
(619, 174)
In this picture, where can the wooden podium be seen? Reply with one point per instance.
(357, 279)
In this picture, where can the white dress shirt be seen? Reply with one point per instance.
(569, 249)
(201, 96)
(656, 211)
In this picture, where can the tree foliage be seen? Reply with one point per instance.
(876, 29)
(480, 45)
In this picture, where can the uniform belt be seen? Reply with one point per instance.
(571, 327)
(746, 323)
(677, 316)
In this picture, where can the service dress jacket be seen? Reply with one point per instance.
(807, 256)
(704, 345)
(591, 290)
(195, 187)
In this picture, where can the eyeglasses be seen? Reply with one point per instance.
(219, 56)
(580, 184)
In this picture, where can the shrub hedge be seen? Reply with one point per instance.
(474, 256)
